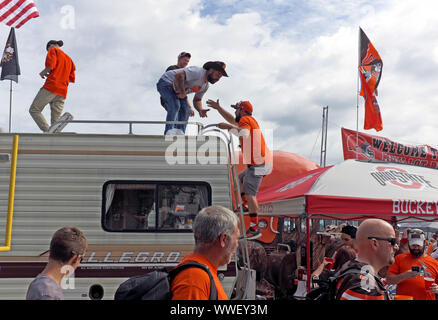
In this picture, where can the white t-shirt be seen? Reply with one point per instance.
(195, 78)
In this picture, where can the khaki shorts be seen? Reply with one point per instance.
(252, 176)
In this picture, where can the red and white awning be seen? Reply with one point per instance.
(354, 190)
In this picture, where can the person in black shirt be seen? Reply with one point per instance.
(182, 62)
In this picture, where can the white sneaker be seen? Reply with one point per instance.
(58, 125)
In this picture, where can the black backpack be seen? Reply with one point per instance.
(327, 288)
(156, 284)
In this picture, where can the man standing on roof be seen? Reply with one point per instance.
(59, 72)
(174, 85)
(182, 62)
(216, 232)
(376, 242)
(410, 269)
(256, 156)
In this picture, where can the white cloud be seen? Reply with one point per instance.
(289, 58)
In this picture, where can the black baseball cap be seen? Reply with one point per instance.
(216, 65)
(58, 42)
(184, 54)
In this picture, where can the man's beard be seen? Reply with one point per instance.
(416, 252)
(237, 119)
(211, 80)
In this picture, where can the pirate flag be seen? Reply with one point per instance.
(370, 72)
(9, 62)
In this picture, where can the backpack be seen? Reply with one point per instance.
(327, 288)
(156, 284)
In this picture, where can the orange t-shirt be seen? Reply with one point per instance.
(258, 151)
(414, 287)
(194, 283)
(431, 247)
(63, 72)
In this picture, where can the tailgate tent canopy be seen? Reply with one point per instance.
(355, 190)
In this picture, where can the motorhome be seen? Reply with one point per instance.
(134, 196)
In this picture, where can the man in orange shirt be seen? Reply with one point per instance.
(59, 71)
(411, 268)
(256, 156)
(216, 232)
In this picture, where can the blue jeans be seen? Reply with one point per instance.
(177, 109)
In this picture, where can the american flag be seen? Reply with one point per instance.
(15, 13)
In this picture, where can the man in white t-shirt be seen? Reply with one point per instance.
(174, 85)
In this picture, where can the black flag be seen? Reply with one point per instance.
(9, 63)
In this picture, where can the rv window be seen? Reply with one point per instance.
(158, 206)
(179, 204)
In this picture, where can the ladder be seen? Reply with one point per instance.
(245, 282)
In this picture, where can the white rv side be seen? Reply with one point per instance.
(134, 204)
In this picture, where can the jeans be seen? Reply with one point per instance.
(177, 109)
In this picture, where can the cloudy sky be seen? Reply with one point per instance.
(290, 58)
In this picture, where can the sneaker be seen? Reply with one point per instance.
(245, 208)
(58, 126)
(252, 234)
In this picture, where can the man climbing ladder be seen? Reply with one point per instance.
(256, 156)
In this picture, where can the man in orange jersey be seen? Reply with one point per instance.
(59, 72)
(256, 156)
(410, 269)
(376, 242)
(216, 232)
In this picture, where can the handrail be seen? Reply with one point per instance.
(7, 246)
(131, 122)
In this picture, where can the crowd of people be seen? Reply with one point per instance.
(375, 262)
(369, 265)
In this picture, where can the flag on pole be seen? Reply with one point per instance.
(9, 62)
(370, 72)
(15, 13)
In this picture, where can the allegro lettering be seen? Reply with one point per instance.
(132, 257)
(415, 207)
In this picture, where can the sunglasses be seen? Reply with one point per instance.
(392, 241)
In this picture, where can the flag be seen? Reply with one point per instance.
(370, 72)
(9, 62)
(15, 13)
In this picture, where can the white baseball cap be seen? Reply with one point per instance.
(416, 237)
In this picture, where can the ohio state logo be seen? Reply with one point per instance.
(400, 178)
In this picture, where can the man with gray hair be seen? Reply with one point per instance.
(67, 247)
(216, 232)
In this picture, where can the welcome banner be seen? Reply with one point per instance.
(370, 147)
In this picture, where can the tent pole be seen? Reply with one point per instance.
(308, 253)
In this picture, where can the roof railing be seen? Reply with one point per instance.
(199, 125)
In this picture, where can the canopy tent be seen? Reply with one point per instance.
(355, 190)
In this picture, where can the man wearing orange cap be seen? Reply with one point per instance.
(256, 156)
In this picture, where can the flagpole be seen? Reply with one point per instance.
(10, 106)
(357, 96)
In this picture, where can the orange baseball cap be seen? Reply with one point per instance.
(245, 105)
